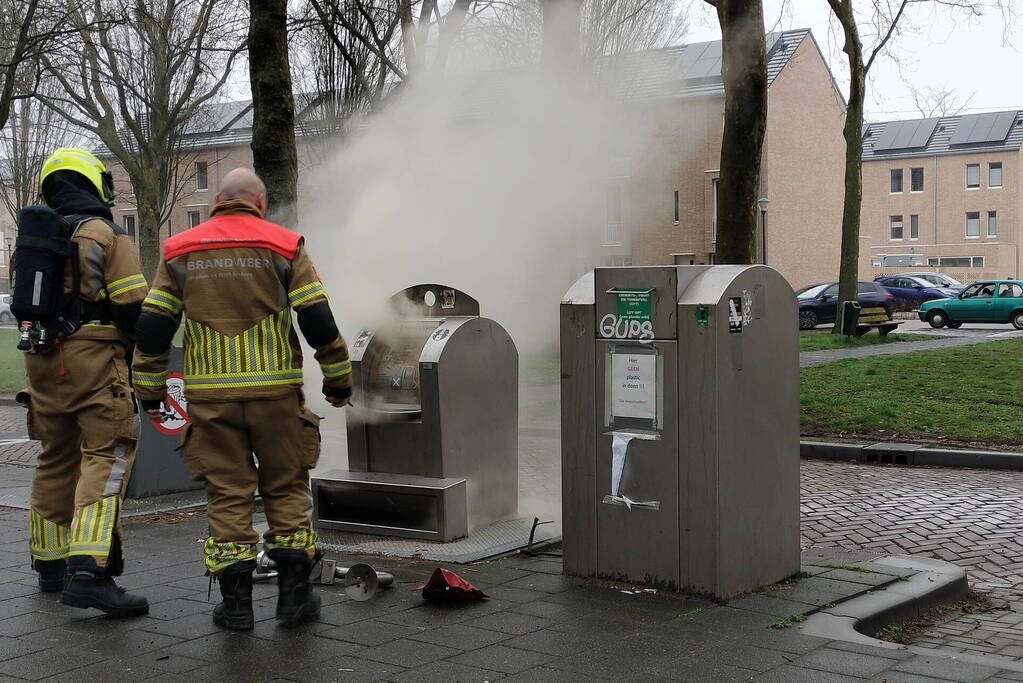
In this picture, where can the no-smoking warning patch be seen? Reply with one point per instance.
(175, 407)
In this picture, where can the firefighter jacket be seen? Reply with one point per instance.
(236, 279)
(110, 279)
(111, 284)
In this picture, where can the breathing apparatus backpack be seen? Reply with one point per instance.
(45, 252)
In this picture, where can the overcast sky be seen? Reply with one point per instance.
(941, 50)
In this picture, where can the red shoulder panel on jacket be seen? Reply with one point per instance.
(227, 232)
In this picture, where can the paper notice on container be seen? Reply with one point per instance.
(634, 385)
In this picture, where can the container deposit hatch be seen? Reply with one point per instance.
(433, 434)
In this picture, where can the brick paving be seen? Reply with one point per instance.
(973, 518)
(536, 626)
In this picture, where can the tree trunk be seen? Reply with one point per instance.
(274, 155)
(848, 274)
(560, 32)
(744, 70)
(149, 202)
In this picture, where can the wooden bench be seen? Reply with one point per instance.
(875, 318)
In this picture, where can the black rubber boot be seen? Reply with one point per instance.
(296, 601)
(97, 589)
(235, 610)
(52, 574)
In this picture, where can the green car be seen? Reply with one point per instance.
(990, 301)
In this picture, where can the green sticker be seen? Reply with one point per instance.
(634, 304)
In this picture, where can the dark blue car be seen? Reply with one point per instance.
(818, 303)
(911, 291)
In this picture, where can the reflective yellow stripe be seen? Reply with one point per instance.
(305, 293)
(125, 284)
(336, 369)
(149, 379)
(46, 540)
(220, 555)
(300, 540)
(158, 297)
(307, 297)
(114, 327)
(92, 529)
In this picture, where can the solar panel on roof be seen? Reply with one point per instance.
(976, 129)
(905, 135)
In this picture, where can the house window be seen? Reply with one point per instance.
(676, 207)
(994, 174)
(194, 218)
(895, 227)
(916, 179)
(973, 223)
(956, 262)
(129, 226)
(992, 223)
(201, 176)
(715, 187)
(896, 180)
(914, 227)
(972, 175)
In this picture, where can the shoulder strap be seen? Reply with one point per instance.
(77, 220)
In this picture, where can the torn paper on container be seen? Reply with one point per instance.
(619, 458)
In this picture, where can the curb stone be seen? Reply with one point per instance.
(935, 582)
(898, 453)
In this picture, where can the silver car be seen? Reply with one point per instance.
(5, 309)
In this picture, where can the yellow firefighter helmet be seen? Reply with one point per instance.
(84, 163)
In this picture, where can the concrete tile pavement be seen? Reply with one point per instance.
(556, 629)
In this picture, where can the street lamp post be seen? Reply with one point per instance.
(762, 206)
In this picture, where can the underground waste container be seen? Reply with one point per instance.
(680, 427)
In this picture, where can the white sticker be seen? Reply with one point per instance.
(634, 385)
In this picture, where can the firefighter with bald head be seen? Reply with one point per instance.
(236, 280)
(80, 399)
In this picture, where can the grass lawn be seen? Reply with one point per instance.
(12, 363)
(969, 395)
(817, 341)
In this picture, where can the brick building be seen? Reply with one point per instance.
(943, 194)
(661, 209)
(659, 206)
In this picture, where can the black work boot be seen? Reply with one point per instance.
(52, 574)
(296, 602)
(235, 610)
(92, 588)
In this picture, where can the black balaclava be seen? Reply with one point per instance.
(70, 193)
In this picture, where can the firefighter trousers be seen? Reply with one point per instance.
(237, 446)
(82, 408)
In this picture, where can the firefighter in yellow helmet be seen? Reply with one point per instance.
(81, 404)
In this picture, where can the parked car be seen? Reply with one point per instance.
(818, 303)
(910, 291)
(988, 301)
(5, 308)
(937, 279)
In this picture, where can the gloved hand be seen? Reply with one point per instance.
(152, 408)
(339, 398)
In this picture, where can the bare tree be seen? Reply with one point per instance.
(274, 155)
(33, 131)
(616, 26)
(884, 21)
(744, 70)
(931, 102)
(143, 85)
(28, 28)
